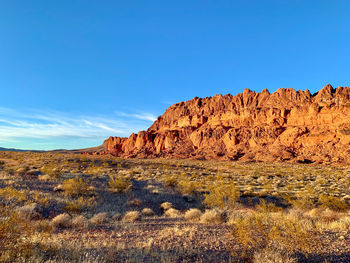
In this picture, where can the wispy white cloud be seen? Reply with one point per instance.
(145, 116)
(48, 127)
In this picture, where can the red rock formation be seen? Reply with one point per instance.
(285, 125)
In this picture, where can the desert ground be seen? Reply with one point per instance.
(58, 207)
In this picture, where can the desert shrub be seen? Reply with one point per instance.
(12, 196)
(131, 216)
(43, 226)
(332, 202)
(212, 216)
(193, 214)
(119, 183)
(40, 199)
(256, 232)
(187, 186)
(44, 177)
(305, 199)
(76, 187)
(29, 212)
(61, 221)
(341, 224)
(170, 180)
(14, 233)
(147, 212)
(80, 222)
(80, 204)
(22, 170)
(172, 212)
(100, 218)
(166, 205)
(51, 171)
(266, 207)
(328, 215)
(273, 256)
(222, 195)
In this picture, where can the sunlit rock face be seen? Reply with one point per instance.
(287, 125)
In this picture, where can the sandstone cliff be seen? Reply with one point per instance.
(285, 125)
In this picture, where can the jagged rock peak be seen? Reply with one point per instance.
(286, 125)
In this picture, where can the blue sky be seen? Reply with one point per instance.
(73, 73)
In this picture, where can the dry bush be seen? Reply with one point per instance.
(43, 226)
(259, 231)
(187, 186)
(119, 183)
(44, 177)
(12, 196)
(80, 204)
(172, 212)
(332, 202)
(52, 171)
(80, 222)
(273, 256)
(212, 216)
(14, 236)
(100, 218)
(170, 180)
(29, 212)
(76, 187)
(222, 195)
(193, 214)
(315, 212)
(61, 221)
(342, 224)
(147, 212)
(305, 199)
(166, 205)
(131, 216)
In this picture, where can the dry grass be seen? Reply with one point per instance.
(147, 212)
(193, 214)
(131, 216)
(166, 206)
(80, 222)
(61, 221)
(172, 212)
(212, 216)
(296, 202)
(100, 218)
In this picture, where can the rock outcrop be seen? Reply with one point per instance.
(287, 125)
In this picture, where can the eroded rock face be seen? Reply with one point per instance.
(285, 125)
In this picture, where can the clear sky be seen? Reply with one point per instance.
(73, 72)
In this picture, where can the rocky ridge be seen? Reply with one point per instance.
(286, 125)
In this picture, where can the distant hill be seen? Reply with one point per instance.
(12, 150)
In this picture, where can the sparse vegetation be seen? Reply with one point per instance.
(119, 183)
(76, 187)
(170, 210)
